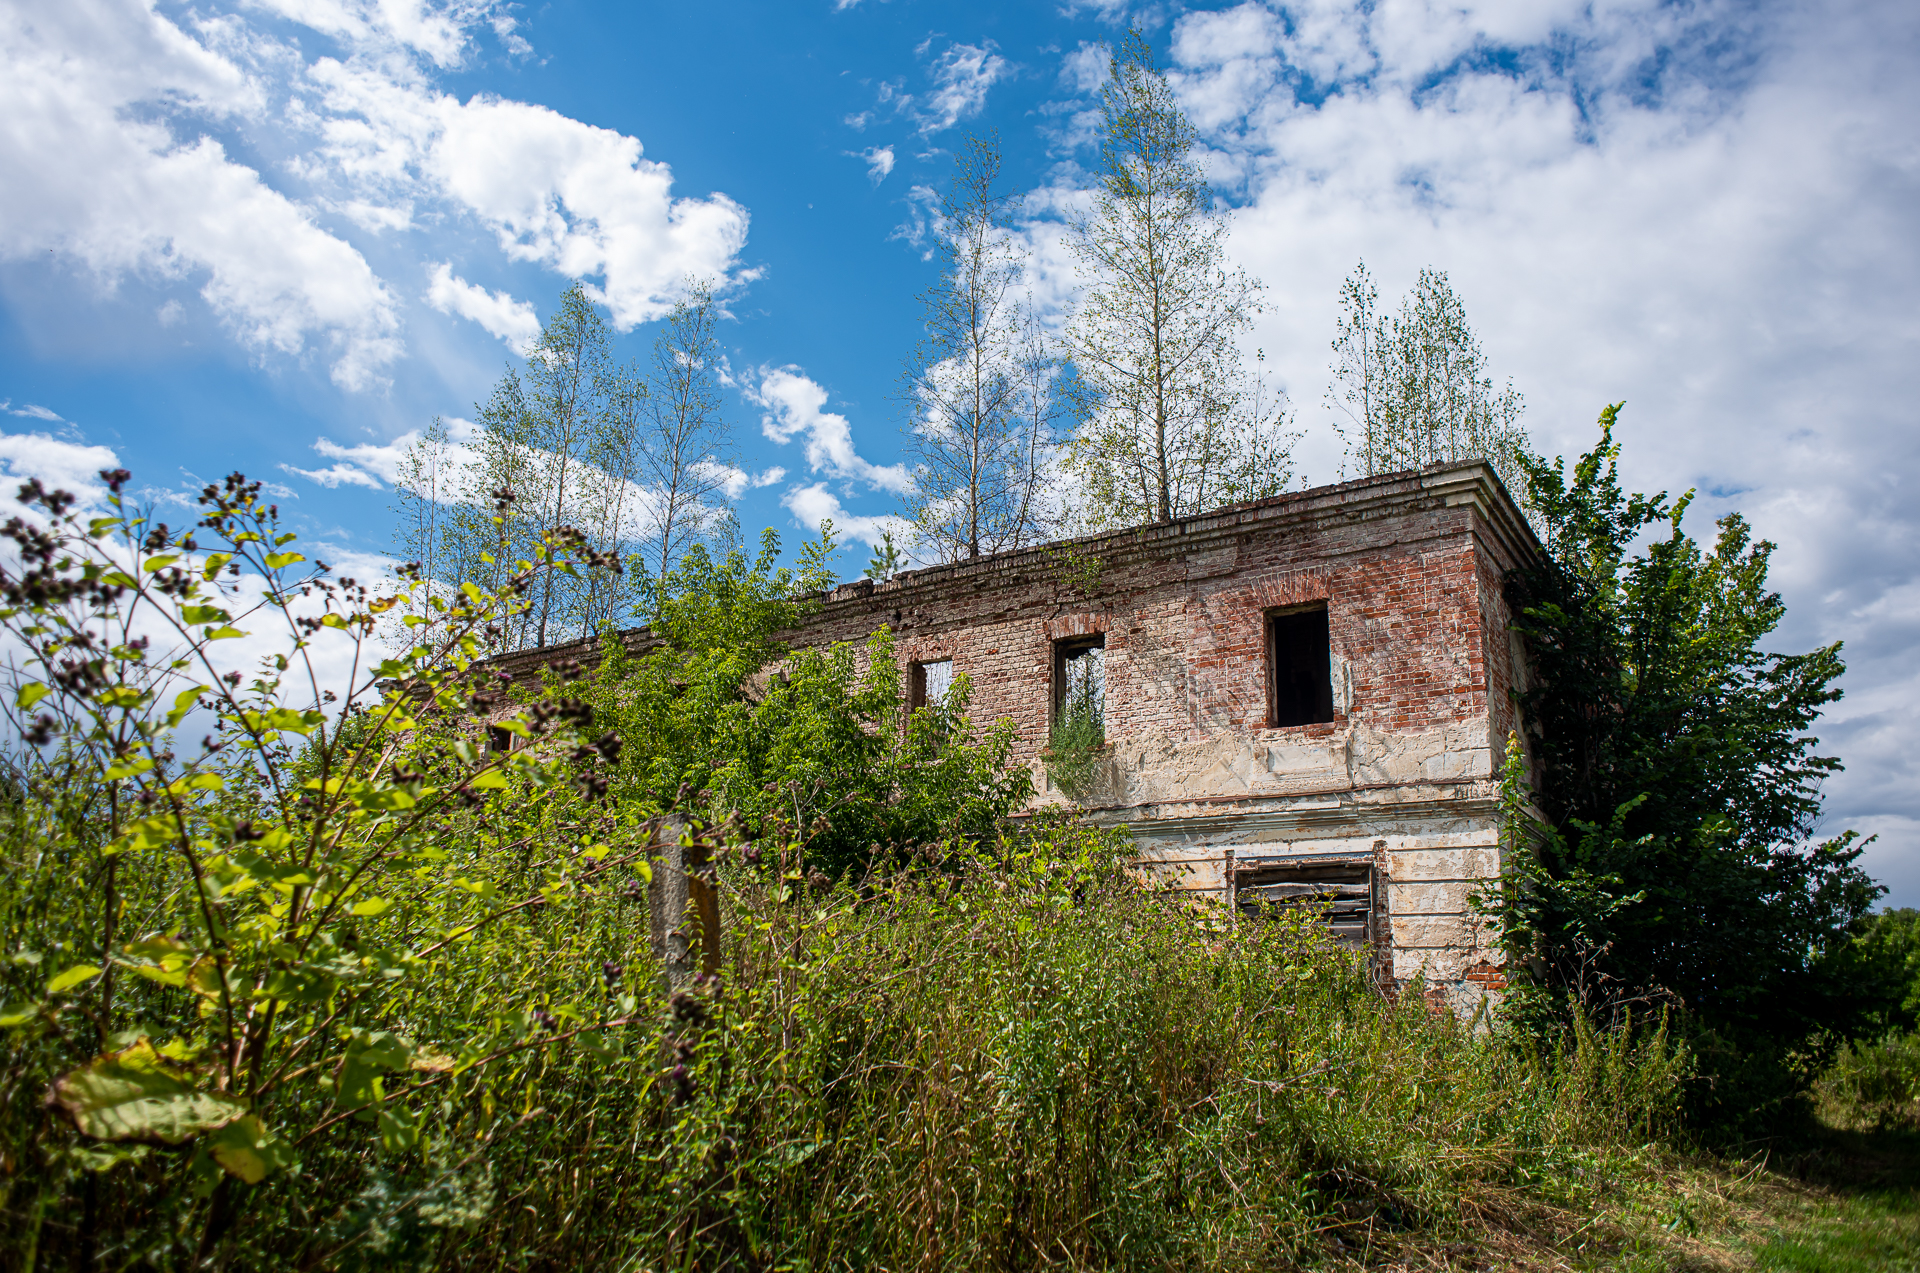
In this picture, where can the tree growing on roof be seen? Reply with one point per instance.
(1171, 420)
(980, 387)
(682, 449)
(1414, 386)
(637, 462)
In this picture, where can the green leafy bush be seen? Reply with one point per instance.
(232, 962)
(1678, 785)
(1074, 747)
(722, 716)
(1874, 1084)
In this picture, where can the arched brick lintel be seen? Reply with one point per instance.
(1076, 625)
(1296, 589)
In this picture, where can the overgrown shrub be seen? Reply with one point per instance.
(1677, 782)
(1874, 1085)
(1073, 749)
(1023, 1058)
(723, 715)
(244, 964)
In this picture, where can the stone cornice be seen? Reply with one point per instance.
(1436, 487)
(864, 605)
(1233, 820)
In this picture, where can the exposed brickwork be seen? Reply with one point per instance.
(1486, 975)
(1412, 588)
(1412, 585)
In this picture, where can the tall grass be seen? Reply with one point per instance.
(1018, 1059)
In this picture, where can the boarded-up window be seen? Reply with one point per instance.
(1299, 668)
(1340, 890)
(929, 682)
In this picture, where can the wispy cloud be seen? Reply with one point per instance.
(499, 313)
(960, 76)
(376, 465)
(795, 407)
(879, 160)
(32, 411)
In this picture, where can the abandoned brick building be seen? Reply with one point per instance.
(1303, 698)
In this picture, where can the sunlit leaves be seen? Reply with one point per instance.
(79, 974)
(133, 1094)
(313, 867)
(248, 1151)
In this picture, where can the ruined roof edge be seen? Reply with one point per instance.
(1470, 482)
(1456, 484)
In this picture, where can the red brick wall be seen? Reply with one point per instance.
(1410, 566)
(1412, 586)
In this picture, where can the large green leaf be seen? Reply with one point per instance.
(249, 1151)
(132, 1095)
(74, 976)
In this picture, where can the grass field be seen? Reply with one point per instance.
(1833, 1202)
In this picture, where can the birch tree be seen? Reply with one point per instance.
(549, 452)
(681, 452)
(1413, 387)
(636, 463)
(549, 434)
(437, 527)
(974, 391)
(1171, 421)
(430, 478)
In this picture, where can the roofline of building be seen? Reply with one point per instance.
(1473, 482)
(1457, 484)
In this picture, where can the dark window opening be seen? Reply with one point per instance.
(499, 741)
(1341, 891)
(1299, 668)
(1080, 681)
(928, 683)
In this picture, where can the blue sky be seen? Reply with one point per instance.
(278, 235)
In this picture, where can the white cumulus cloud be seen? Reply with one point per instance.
(89, 172)
(58, 463)
(511, 320)
(795, 407)
(129, 153)
(1710, 211)
(578, 199)
(814, 503)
